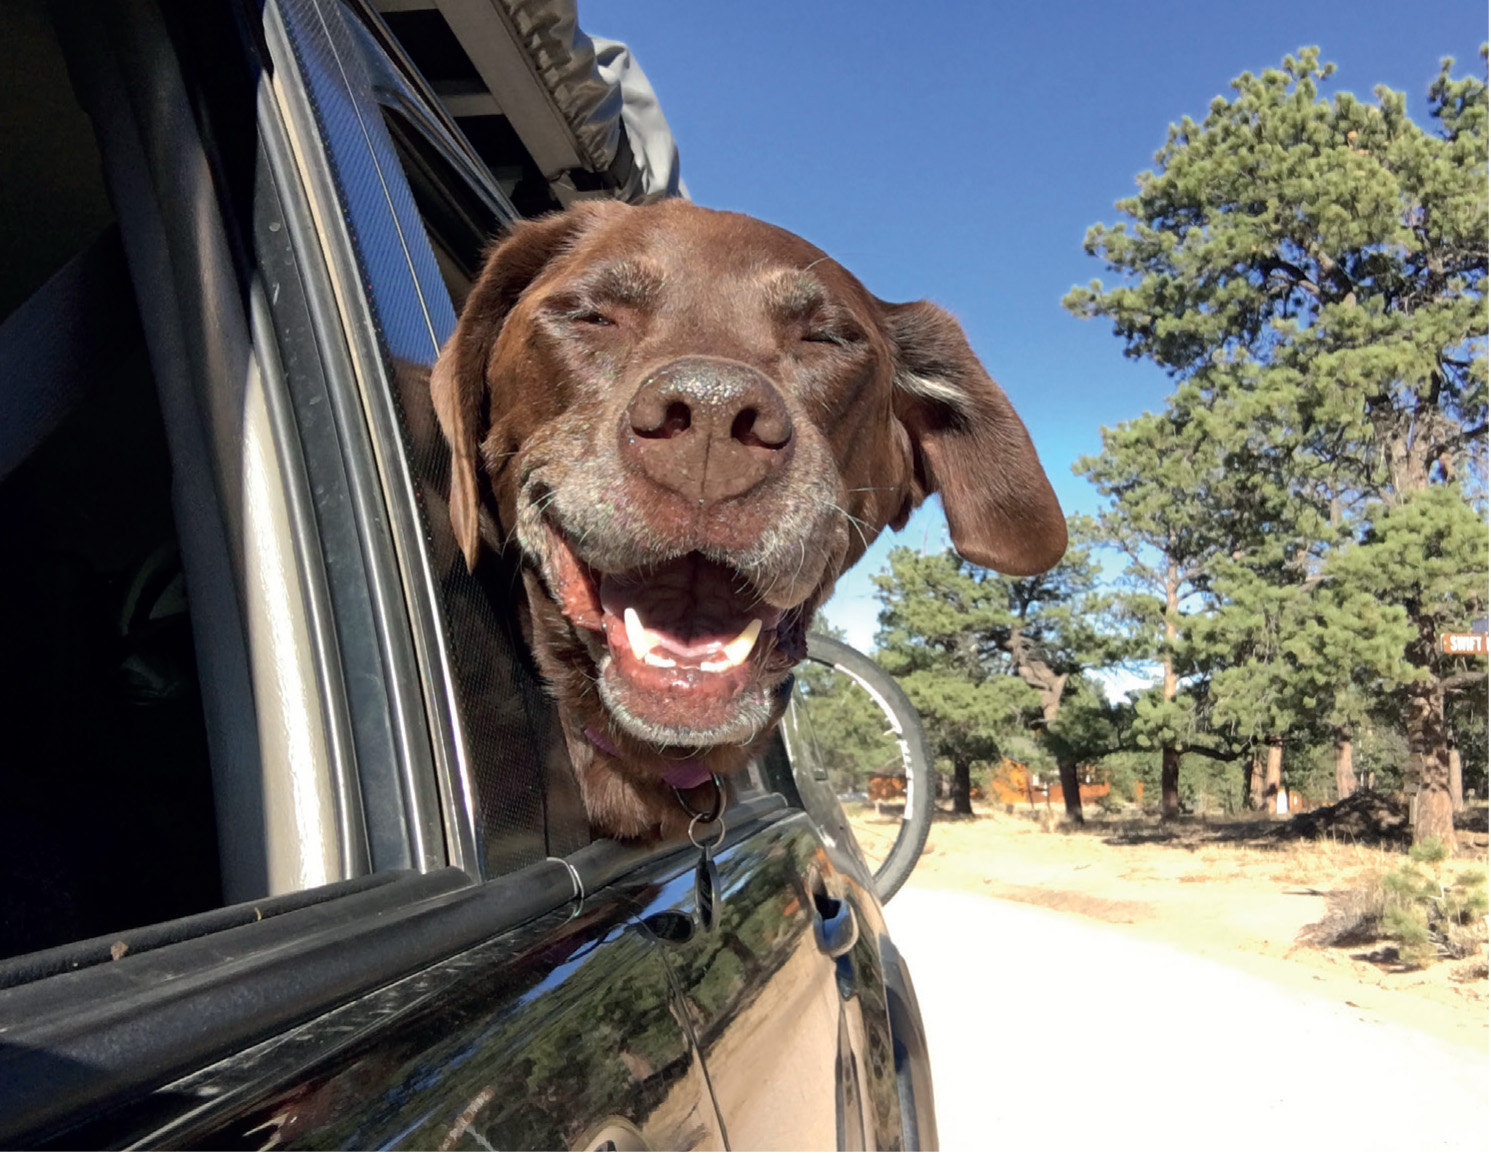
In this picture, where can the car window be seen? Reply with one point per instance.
(462, 202)
(420, 218)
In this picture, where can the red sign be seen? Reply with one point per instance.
(1467, 644)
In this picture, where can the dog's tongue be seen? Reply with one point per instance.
(689, 611)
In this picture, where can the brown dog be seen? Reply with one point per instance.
(692, 423)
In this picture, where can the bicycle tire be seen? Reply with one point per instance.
(916, 756)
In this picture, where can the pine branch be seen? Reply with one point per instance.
(1463, 679)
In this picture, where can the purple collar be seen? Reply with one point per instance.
(688, 773)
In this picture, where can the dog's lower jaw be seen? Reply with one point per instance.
(625, 791)
(760, 707)
(626, 797)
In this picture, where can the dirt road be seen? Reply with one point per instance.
(1053, 1032)
(1246, 905)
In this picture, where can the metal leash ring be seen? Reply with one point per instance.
(707, 817)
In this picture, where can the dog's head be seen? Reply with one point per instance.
(692, 423)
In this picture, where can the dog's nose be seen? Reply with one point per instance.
(707, 429)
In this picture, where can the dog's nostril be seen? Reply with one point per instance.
(742, 429)
(674, 420)
(755, 428)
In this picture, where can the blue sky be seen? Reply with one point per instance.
(959, 151)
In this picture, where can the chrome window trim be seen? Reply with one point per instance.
(364, 662)
(434, 765)
(341, 764)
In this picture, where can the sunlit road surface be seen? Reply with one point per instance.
(1050, 1034)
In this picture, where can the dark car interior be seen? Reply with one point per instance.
(114, 777)
(108, 820)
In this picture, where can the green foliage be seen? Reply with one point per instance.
(849, 731)
(1430, 910)
(939, 615)
(1305, 517)
(1382, 756)
(1431, 851)
(1129, 772)
(992, 662)
(1426, 554)
(1335, 230)
(1468, 719)
(1210, 786)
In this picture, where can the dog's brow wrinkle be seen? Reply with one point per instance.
(630, 283)
(794, 293)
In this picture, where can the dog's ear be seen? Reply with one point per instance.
(969, 445)
(458, 383)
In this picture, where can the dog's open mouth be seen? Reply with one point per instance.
(686, 652)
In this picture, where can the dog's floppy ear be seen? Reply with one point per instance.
(458, 383)
(970, 445)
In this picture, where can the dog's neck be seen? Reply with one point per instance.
(689, 773)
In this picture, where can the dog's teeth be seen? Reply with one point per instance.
(736, 650)
(657, 660)
(642, 641)
(740, 647)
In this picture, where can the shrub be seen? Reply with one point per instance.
(1430, 910)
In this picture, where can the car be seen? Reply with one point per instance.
(290, 852)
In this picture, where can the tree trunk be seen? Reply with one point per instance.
(1457, 780)
(1170, 755)
(1071, 791)
(962, 805)
(1273, 775)
(1169, 783)
(1428, 741)
(1255, 780)
(1345, 772)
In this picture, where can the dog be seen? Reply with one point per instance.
(691, 423)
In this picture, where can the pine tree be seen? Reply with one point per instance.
(1313, 273)
(986, 657)
(936, 615)
(1157, 470)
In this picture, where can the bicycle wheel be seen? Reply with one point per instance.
(896, 855)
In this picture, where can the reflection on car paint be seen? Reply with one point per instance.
(758, 988)
(528, 1042)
